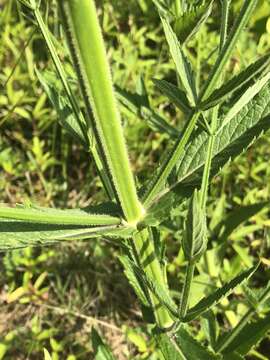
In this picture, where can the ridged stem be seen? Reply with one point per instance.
(85, 38)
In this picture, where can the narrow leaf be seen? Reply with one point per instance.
(189, 23)
(250, 336)
(182, 64)
(101, 350)
(174, 94)
(252, 71)
(183, 346)
(208, 302)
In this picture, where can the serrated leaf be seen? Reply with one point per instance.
(195, 237)
(133, 279)
(252, 71)
(231, 139)
(18, 234)
(156, 288)
(249, 337)
(101, 350)
(188, 24)
(183, 346)
(181, 62)
(174, 94)
(57, 217)
(208, 302)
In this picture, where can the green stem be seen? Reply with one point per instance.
(186, 290)
(88, 49)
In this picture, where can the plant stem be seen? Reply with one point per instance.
(88, 49)
(186, 289)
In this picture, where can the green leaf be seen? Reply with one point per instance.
(246, 98)
(190, 22)
(19, 234)
(133, 279)
(47, 356)
(249, 337)
(156, 288)
(174, 94)
(58, 217)
(195, 237)
(252, 71)
(60, 102)
(208, 302)
(136, 105)
(231, 139)
(226, 227)
(101, 350)
(183, 346)
(182, 64)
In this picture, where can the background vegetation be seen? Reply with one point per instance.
(52, 297)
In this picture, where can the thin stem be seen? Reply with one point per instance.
(215, 110)
(186, 289)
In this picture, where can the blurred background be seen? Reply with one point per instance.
(51, 297)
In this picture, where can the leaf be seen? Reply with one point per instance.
(47, 356)
(190, 22)
(135, 103)
(252, 71)
(182, 64)
(195, 236)
(249, 337)
(208, 302)
(58, 217)
(133, 279)
(183, 346)
(173, 93)
(101, 350)
(231, 139)
(246, 98)
(62, 106)
(156, 288)
(226, 227)
(19, 234)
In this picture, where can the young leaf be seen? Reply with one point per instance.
(47, 356)
(189, 23)
(208, 302)
(183, 346)
(173, 93)
(249, 337)
(195, 238)
(238, 81)
(182, 64)
(101, 350)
